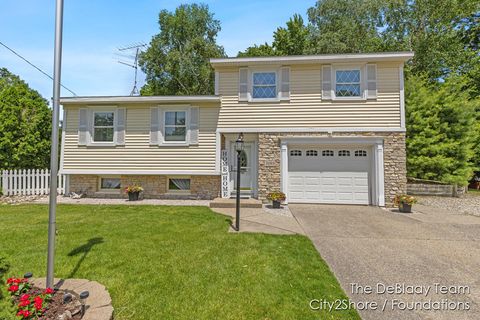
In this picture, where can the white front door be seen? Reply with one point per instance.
(247, 166)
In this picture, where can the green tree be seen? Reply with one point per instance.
(439, 31)
(440, 121)
(263, 50)
(345, 26)
(177, 60)
(25, 127)
(292, 40)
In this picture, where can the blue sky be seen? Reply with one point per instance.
(93, 30)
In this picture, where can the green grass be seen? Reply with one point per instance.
(474, 192)
(162, 262)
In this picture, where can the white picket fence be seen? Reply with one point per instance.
(29, 182)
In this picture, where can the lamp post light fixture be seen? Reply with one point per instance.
(239, 149)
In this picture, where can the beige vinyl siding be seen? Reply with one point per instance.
(137, 154)
(306, 107)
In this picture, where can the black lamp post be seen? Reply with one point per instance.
(239, 149)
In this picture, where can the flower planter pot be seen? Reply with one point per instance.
(133, 196)
(405, 208)
(276, 204)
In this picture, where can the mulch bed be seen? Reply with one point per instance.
(56, 308)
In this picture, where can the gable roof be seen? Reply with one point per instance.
(321, 58)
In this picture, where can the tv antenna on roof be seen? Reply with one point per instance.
(133, 52)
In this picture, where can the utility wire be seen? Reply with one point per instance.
(24, 59)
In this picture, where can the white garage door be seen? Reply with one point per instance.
(329, 175)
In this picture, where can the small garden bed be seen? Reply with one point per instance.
(41, 304)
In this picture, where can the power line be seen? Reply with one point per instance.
(24, 59)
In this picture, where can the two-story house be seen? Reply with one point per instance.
(322, 129)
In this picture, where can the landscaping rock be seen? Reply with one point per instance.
(467, 204)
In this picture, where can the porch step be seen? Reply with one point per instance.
(230, 203)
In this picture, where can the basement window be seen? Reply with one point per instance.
(179, 185)
(109, 184)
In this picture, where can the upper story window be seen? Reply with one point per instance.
(103, 126)
(264, 85)
(347, 83)
(175, 126)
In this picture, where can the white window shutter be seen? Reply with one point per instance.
(243, 84)
(285, 83)
(120, 127)
(326, 82)
(82, 127)
(161, 125)
(217, 83)
(371, 79)
(154, 126)
(194, 123)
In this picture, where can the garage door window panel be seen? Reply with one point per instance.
(344, 153)
(312, 153)
(296, 153)
(360, 153)
(327, 153)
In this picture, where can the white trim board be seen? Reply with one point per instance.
(324, 58)
(311, 129)
(140, 172)
(138, 99)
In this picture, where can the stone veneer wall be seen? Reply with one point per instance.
(394, 160)
(155, 187)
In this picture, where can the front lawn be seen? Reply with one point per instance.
(162, 262)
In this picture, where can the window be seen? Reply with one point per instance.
(264, 85)
(347, 83)
(178, 184)
(103, 126)
(109, 183)
(175, 126)
(327, 153)
(360, 153)
(312, 153)
(296, 153)
(344, 153)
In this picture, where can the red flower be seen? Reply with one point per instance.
(24, 303)
(38, 302)
(48, 291)
(10, 280)
(23, 313)
(16, 280)
(24, 297)
(13, 288)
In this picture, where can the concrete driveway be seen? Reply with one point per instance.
(369, 246)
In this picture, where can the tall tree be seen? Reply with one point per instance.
(437, 30)
(440, 121)
(345, 26)
(291, 40)
(263, 50)
(25, 125)
(177, 60)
